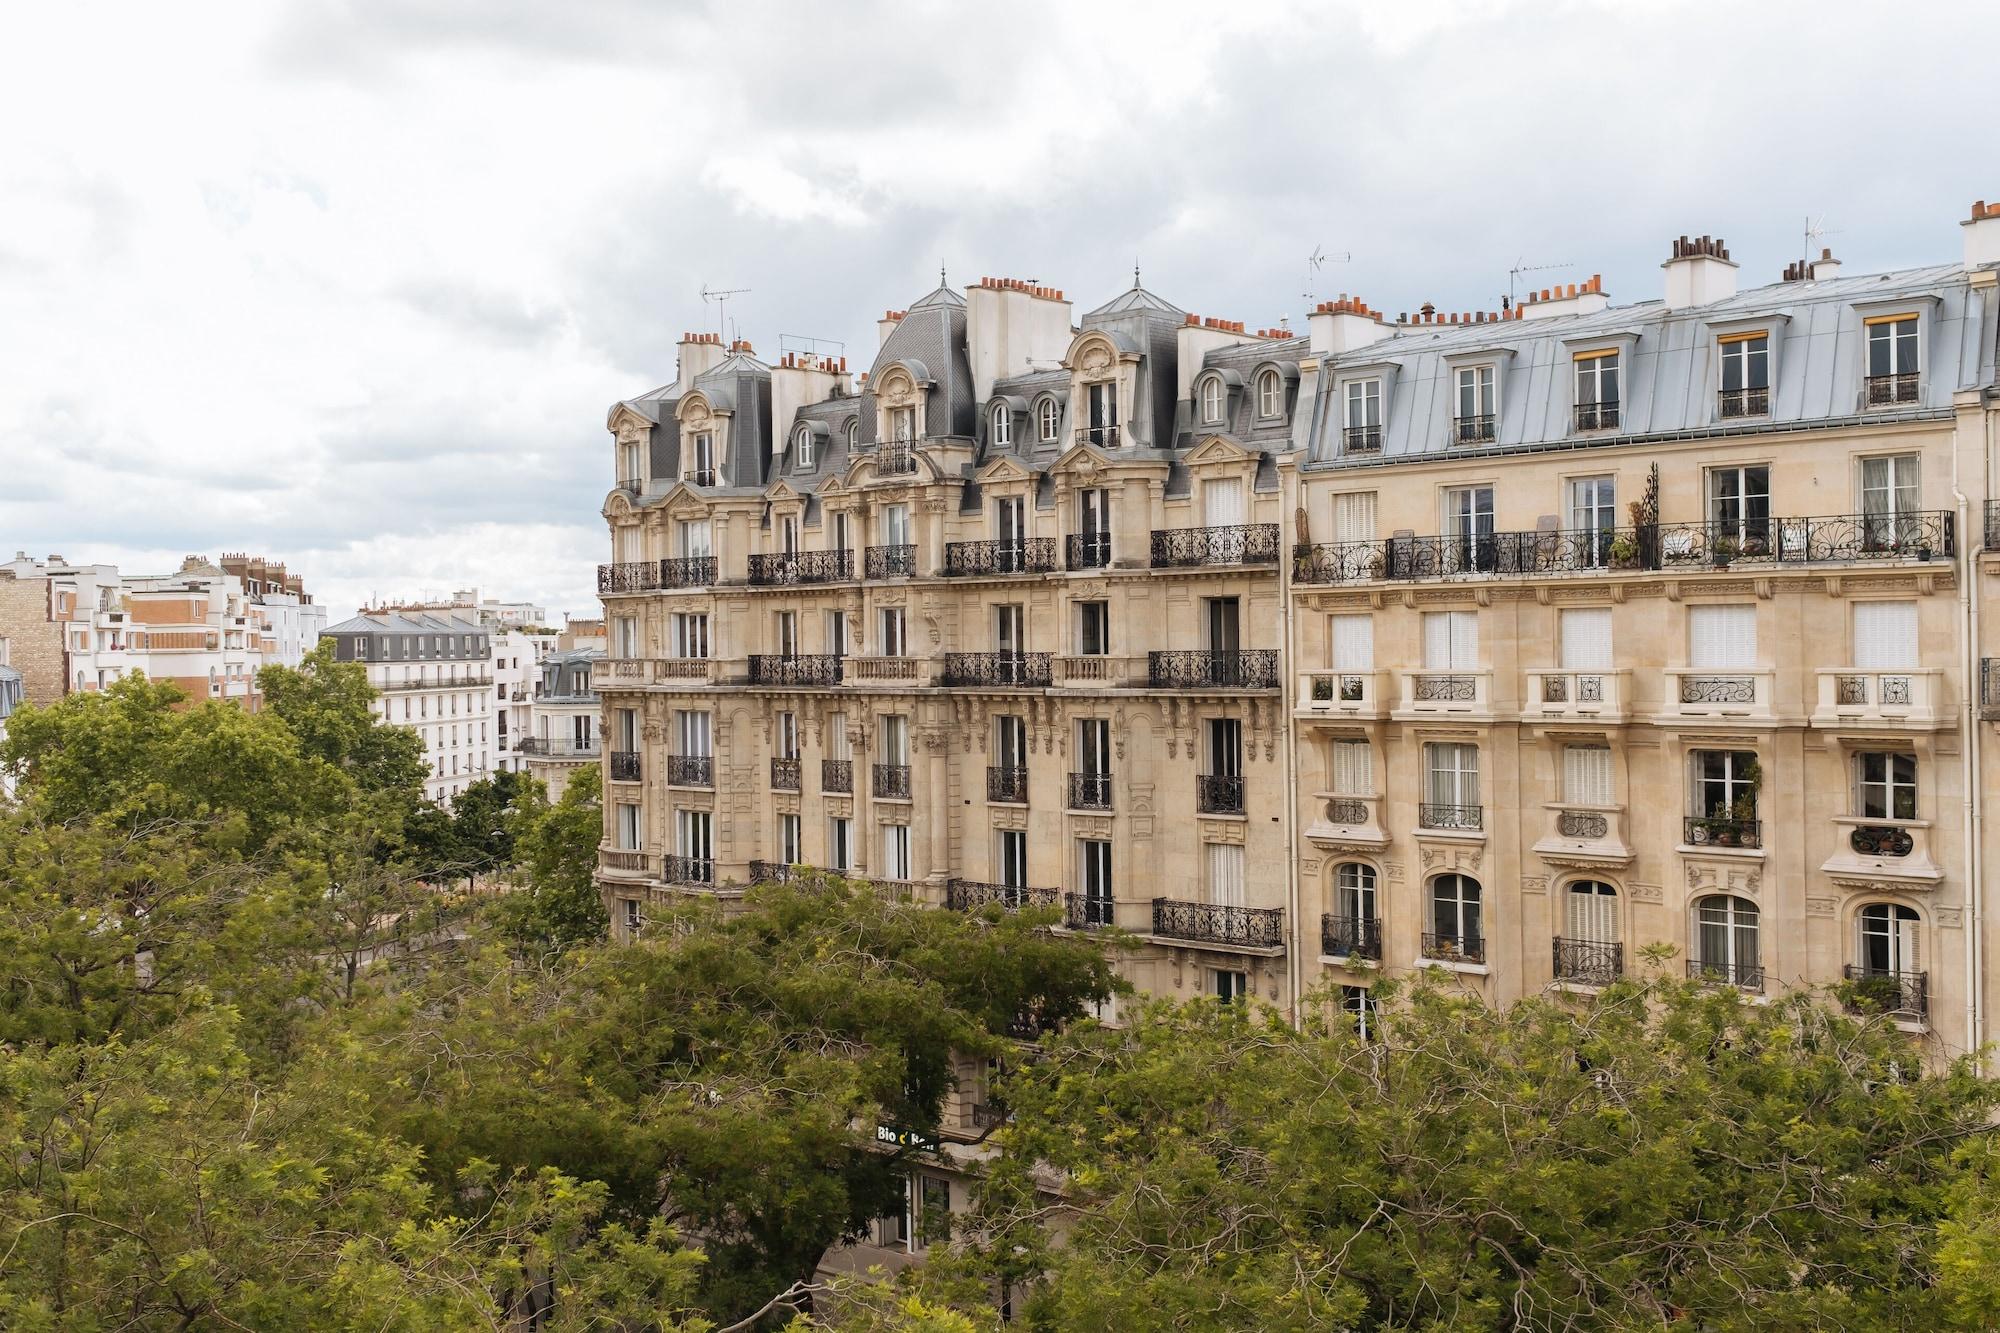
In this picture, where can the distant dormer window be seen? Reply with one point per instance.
(1050, 420)
(1892, 360)
(701, 460)
(802, 446)
(1270, 395)
(1003, 427)
(1211, 400)
(853, 431)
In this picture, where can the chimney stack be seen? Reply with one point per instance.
(1699, 272)
(887, 324)
(1578, 298)
(1982, 235)
(699, 354)
(1343, 324)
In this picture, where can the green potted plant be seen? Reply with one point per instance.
(1722, 550)
(1624, 551)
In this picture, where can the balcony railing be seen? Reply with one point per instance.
(1888, 390)
(1748, 976)
(625, 766)
(687, 571)
(966, 895)
(1871, 990)
(892, 781)
(689, 870)
(1003, 670)
(895, 458)
(1087, 550)
(631, 576)
(784, 774)
(1199, 669)
(632, 484)
(1105, 437)
(791, 669)
(1743, 403)
(1476, 429)
(1597, 416)
(1361, 440)
(700, 476)
(1719, 831)
(1218, 923)
(1460, 947)
(556, 747)
(1588, 962)
(890, 562)
(1019, 555)
(1883, 841)
(1993, 525)
(1083, 911)
(1350, 936)
(774, 872)
(1989, 688)
(1009, 786)
(1193, 548)
(786, 568)
(1466, 818)
(690, 770)
(625, 860)
(1218, 793)
(1727, 689)
(1090, 791)
(836, 775)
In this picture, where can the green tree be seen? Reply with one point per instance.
(327, 706)
(559, 906)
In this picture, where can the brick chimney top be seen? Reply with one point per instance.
(1699, 247)
(702, 338)
(1219, 325)
(743, 345)
(1347, 305)
(894, 315)
(1018, 285)
(1982, 210)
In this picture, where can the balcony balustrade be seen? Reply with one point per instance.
(632, 484)
(687, 571)
(784, 774)
(1454, 947)
(895, 458)
(690, 770)
(1350, 937)
(1588, 962)
(684, 668)
(1087, 550)
(1007, 785)
(1475, 429)
(1194, 548)
(1084, 911)
(557, 747)
(1361, 440)
(1855, 695)
(1451, 818)
(1219, 923)
(1725, 693)
(1345, 693)
(795, 669)
(789, 568)
(1204, 669)
(965, 895)
(624, 861)
(625, 766)
(1597, 416)
(1721, 831)
(1426, 694)
(1219, 793)
(1989, 688)
(1104, 437)
(1992, 542)
(629, 576)
(1093, 669)
(836, 775)
(1733, 403)
(892, 782)
(1744, 975)
(775, 872)
(999, 670)
(883, 670)
(1890, 390)
(1905, 995)
(689, 870)
(1019, 555)
(1090, 791)
(890, 562)
(1558, 692)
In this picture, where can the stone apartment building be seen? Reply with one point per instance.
(1508, 643)
(433, 673)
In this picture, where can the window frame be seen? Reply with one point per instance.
(1212, 399)
(1270, 394)
(1892, 785)
(1001, 427)
(1048, 420)
(802, 447)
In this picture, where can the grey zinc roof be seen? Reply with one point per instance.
(930, 339)
(739, 384)
(1239, 364)
(829, 450)
(1669, 373)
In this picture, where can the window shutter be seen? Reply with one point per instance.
(1464, 640)
(1592, 915)
(1354, 517)
(1438, 640)
(1885, 634)
(1587, 775)
(1353, 769)
(1225, 874)
(1722, 636)
(1223, 499)
(1586, 638)
(1353, 642)
(1908, 959)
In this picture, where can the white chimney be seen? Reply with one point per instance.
(887, 325)
(1826, 266)
(1586, 298)
(699, 354)
(799, 379)
(1343, 325)
(1011, 326)
(1195, 339)
(1699, 273)
(1982, 235)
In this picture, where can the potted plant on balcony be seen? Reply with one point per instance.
(1625, 551)
(1722, 550)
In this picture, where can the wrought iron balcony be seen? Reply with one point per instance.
(1717, 689)
(1350, 936)
(1989, 688)
(700, 476)
(1748, 976)
(1889, 390)
(690, 770)
(1361, 440)
(1469, 818)
(892, 781)
(836, 775)
(1018, 555)
(1089, 550)
(966, 895)
(1218, 923)
(890, 562)
(1583, 825)
(687, 571)
(795, 669)
(689, 870)
(1001, 670)
(784, 774)
(1201, 669)
(557, 747)
(1597, 416)
(1082, 911)
(1475, 429)
(1721, 831)
(1219, 794)
(1194, 548)
(895, 458)
(1454, 947)
(1443, 687)
(1090, 791)
(1872, 990)
(1104, 437)
(785, 569)
(774, 872)
(1008, 786)
(1743, 403)
(625, 766)
(1885, 841)
(631, 576)
(1588, 962)
(632, 484)
(1993, 525)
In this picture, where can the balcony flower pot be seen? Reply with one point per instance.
(1722, 552)
(1625, 553)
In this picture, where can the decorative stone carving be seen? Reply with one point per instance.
(1223, 831)
(1950, 918)
(1646, 893)
(1819, 907)
(1534, 884)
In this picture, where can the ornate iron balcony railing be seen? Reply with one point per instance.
(1019, 555)
(1083, 911)
(1347, 811)
(701, 476)
(1454, 947)
(890, 562)
(1218, 923)
(1989, 688)
(1090, 791)
(1193, 548)
(1087, 550)
(631, 576)
(784, 774)
(1007, 785)
(1717, 831)
(1993, 525)
(1887, 390)
(836, 775)
(783, 569)
(1361, 440)
(690, 770)
(1597, 416)
(1591, 962)
(1743, 403)
(1475, 429)
(1443, 687)
(1873, 990)
(1583, 825)
(1749, 976)
(774, 872)
(689, 870)
(1718, 689)
(625, 766)
(1884, 840)
(1219, 794)
(1105, 437)
(632, 484)
(892, 781)
(966, 895)
(1199, 669)
(687, 571)
(1431, 814)
(1350, 936)
(801, 669)
(1001, 670)
(895, 458)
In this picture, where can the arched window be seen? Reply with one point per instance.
(1050, 419)
(1455, 926)
(1003, 427)
(1270, 394)
(1889, 940)
(802, 450)
(1589, 949)
(1211, 400)
(1725, 946)
(1353, 929)
(853, 431)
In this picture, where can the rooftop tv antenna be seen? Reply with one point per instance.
(1317, 260)
(1815, 228)
(1522, 266)
(721, 297)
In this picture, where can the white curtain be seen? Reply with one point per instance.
(1592, 913)
(1451, 640)
(1225, 874)
(1354, 517)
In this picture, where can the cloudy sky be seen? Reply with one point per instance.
(353, 282)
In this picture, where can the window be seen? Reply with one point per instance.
(1723, 795)
(853, 432)
(1048, 419)
(692, 727)
(1586, 775)
(1354, 892)
(1103, 405)
(1351, 642)
(1591, 913)
(697, 538)
(902, 423)
(1353, 767)
(1885, 635)
(1455, 920)
(790, 844)
(1722, 637)
(1593, 516)
(633, 921)
(1451, 640)
(893, 1229)
(1358, 1003)
(1746, 375)
(625, 636)
(690, 635)
(1093, 629)
(836, 633)
(1222, 502)
(933, 1210)
(701, 459)
(891, 641)
(1225, 874)
(1270, 395)
(1468, 520)
(802, 447)
(896, 851)
(1585, 634)
(1889, 940)
(896, 524)
(1885, 785)
(787, 737)
(1451, 786)
(1354, 517)
(1003, 427)
(1093, 861)
(1228, 986)
(895, 739)
(1891, 491)
(1473, 422)
(1892, 360)
(788, 534)
(1726, 941)
(786, 627)
(1597, 391)
(1010, 632)
(1211, 400)
(627, 828)
(1093, 745)
(1364, 417)
(631, 464)
(839, 844)
(1225, 630)
(1012, 859)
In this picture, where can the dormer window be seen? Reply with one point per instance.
(902, 423)
(1049, 420)
(1211, 400)
(1473, 414)
(1746, 375)
(802, 447)
(1270, 395)
(701, 460)
(1597, 398)
(1892, 360)
(1363, 431)
(853, 432)
(1003, 427)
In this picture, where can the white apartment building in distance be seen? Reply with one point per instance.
(433, 671)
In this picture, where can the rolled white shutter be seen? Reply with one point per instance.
(1586, 638)
(1353, 642)
(1722, 636)
(1353, 769)
(1451, 640)
(1223, 500)
(1587, 775)
(1885, 634)
(1225, 874)
(1592, 915)
(1464, 640)
(1354, 517)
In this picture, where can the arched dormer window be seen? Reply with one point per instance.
(1048, 418)
(1270, 394)
(802, 447)
(1003, 426)
(853, 432)
(1211, 400)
